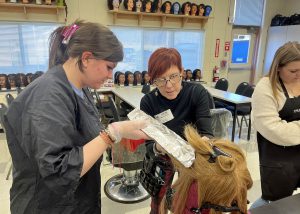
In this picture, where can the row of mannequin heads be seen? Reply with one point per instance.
(19, 80)
(189, 75)
(158, 6)
(131, 78)
(142, 78)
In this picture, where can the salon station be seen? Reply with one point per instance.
(226, 48)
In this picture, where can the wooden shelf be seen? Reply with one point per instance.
(162, 17)
(31, 8)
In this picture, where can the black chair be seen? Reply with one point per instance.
(241, 88)
(125, 187)
(243, 110)
(146, 89)
(3, 109)
(9, 98)
(222, 84)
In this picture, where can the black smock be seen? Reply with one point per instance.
(47, 126)
(280, 165)
(191, 106)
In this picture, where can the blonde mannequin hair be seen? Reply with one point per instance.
(223, 182)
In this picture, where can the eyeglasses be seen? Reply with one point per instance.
(161, 82)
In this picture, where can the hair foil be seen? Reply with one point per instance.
(169, 140)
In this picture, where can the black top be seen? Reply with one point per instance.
(191, 106)
(47, 126)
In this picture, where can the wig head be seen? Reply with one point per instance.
(222, 182)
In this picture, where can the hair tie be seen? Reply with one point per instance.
(68, 32)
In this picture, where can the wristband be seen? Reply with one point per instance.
(104, 134)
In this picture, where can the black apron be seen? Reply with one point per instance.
(280, 165)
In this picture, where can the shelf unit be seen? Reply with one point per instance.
(31, 8)
(162, 17)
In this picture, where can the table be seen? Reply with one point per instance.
(133, 96)
(289, 205)
(234, 100)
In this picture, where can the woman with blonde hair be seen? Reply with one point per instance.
(217, 181)
(276, 118)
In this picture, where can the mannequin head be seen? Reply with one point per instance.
(197, 74)
(113, 4)
(3, 81)
(189, 75)
(129, 78)
(186, 8)
(208, 10)
(121, 79)
(175, 8)
(166, 7)
(129, 5)
(218, 176)
(201, 10)
(146, 78)
(137, 78)
(194, 9)
(147, 6)
(157, 6)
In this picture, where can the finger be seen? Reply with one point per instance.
(138, 124)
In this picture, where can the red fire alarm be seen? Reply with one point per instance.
(227, 46)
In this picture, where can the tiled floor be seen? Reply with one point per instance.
(107, 171)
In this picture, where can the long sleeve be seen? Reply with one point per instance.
(202, 112)
(58, 158)
(266, 120)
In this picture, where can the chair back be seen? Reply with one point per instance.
(220, 122)
(3, 109)
(241, 88)
(146, 89)
(222, 84)
(9, 98)
(114, 109)
(248, 91)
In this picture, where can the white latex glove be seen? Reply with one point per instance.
(129, 129)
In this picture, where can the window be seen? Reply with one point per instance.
(140, 43)
(247, 12)
(24, 47)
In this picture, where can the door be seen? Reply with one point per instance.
(242, 55)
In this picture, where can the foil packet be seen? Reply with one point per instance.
(169, 140)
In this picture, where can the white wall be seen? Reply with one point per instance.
(96, 11)
(290, 7)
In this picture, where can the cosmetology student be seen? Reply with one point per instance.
(53, 129)
(276, 118)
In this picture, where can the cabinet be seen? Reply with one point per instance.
(31, 8)
(163, 18)
(277, 36)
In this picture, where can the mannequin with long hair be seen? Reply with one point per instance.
(218, 178)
